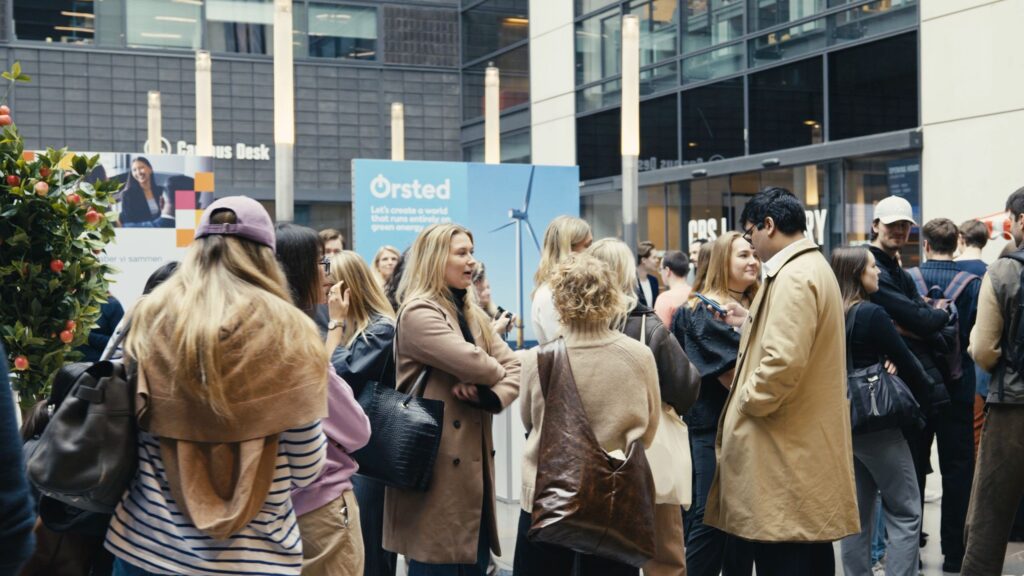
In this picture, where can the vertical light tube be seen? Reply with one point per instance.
(284, 113)
(492, 116)
(154, 125)
(397, 131)
(204, 105)
(630, 127)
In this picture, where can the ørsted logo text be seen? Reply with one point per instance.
(381, 187)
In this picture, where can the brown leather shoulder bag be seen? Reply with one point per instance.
(585, 499)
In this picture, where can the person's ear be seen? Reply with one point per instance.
(769, 226)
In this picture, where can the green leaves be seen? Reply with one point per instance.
(15, 75)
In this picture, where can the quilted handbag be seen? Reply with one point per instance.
(585, 499)
(405, 434)
(878, 400)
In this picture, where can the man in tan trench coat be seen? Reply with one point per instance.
(784, 482)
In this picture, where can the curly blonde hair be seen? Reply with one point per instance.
(585, 292)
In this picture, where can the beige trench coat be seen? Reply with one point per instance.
(784, 448)
(442, 525)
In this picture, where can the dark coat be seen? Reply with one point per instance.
(678, 379)
(712, 346)
(16, 540)
(368, 359)
(653, 281)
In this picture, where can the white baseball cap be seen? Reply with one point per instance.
(894, 209)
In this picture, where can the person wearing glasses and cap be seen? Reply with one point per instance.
(920, 325)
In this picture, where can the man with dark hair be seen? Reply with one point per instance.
(332, 241)
(973, 238)
(784, 483)
(674, 268)
(953, 428)
(999, 483)
(646, 269)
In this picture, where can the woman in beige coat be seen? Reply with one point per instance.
(450, 528)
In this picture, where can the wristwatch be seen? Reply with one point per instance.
(333, 324)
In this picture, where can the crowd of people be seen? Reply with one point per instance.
(253, 358)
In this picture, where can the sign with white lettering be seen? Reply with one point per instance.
(711, 228)
(240, 151)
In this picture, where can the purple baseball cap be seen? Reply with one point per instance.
(253, 222)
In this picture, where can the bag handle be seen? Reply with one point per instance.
(420, 385)
(643, 329)
(851, 321)
(118, 338)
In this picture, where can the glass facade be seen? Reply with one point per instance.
(322, 29)
(515, 149)
(493, 25)
(753, 76)
(514, 88)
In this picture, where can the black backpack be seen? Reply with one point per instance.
(952, 357)
(1016, 359)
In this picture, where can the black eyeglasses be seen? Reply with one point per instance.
(326, 263)
(749, 233)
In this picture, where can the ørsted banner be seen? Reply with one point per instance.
(393, 201)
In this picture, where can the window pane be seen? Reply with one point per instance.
(767, 13)
(599, 96)
(657, 29)
(587, 6)
(713, 121)
(598, 47)
(792, 42)
(604, 213)
(493, 25)
(873, 88)
(160, 23)
(659, 133)
(714, 64)
(871, 19)
(598, 145)
(64, 22)
(243, 26)
(786, 106)
(659, 78)
(870, 179)
(707, 23)
(514, 72)
(515, 149)
(342, 32)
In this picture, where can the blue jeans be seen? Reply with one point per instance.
(123, 568)
(483, 558)
(878, 540)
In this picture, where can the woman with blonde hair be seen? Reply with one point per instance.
(450, 528)
(731, 275)
(218, 457)
(617, 381)
(565, 235)
(384, 263)
(360, 340)
(678, 383)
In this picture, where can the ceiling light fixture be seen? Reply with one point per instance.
(77, 14)
(160, 35)
(175, 19)
(74, 29)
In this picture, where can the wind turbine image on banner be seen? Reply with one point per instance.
(517, 218)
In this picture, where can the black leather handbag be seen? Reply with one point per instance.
(878, 400)
(87, 454)
(405, 434)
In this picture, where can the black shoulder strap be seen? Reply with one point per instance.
(851, 321)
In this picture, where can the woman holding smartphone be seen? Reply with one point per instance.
(731, 277)
(360, 340)
(451, 527)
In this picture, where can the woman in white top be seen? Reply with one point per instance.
(565, 235)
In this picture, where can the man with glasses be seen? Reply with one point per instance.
(784, 483)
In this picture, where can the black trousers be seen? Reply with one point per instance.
(709, 551)
(953, 428)
(791, 558)
(535, 559)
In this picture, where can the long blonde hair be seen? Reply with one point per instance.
(716, 283)
(423, 277)
(619, 259)
(562, 234)
(366, 298)
(378, 277)
(222, 279)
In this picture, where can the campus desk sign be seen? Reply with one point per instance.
(239, 151)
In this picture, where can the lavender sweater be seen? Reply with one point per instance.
(347, 429)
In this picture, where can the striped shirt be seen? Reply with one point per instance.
(150, 532)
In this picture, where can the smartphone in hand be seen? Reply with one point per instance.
(714, 305)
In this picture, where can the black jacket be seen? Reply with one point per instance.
(901, 301)
(16, 539)
(678, 379)
(655, 290)
(712, 346)
(369, 358)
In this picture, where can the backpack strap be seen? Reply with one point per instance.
(919, 282)
(958, 284)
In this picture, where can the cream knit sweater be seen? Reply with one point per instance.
(618, 385)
